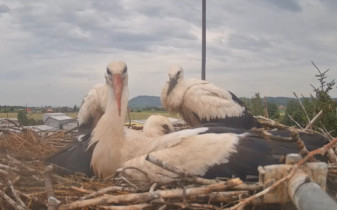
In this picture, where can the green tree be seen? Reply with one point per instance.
(273, 111)
(256, 105)
(22, 117)
(295, 111)
(24, 120)
(323, 101)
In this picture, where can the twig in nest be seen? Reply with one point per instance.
(309, 126)
(82, 190)
(292, 119)
(106, 190)
(269, 136)
(147, 196)
(270, 123)
(182, 173)
(128, 207)
(15, 195)
(220, 197)
(295, 136)
(126, 178)
(11, 201)
(319, 151)
(52, 201)
(305, 111)
(8, 168)
(23, 166)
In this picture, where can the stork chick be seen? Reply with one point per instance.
(200, 102)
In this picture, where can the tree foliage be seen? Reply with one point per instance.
(320, 100)
(24, 120)
(256, 105)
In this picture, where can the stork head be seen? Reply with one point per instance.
(176, 74)
(157, 125)
(117, 77)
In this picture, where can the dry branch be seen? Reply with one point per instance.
(147, 196)
(309, 126)
(183, 174)
(106, 190)
(305, 111)
(15, 195)
(11, 201)
(52, 201)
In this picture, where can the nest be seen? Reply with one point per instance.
(27, 182)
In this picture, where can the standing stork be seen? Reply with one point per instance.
(77, 156)
(200, 102)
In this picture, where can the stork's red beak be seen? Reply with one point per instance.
(117, 85)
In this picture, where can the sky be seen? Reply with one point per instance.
(53, 51)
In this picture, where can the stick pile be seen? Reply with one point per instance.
(26, 182)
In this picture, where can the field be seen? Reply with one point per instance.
(35, 116)
(141, 115)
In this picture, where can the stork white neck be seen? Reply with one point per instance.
(109, 132)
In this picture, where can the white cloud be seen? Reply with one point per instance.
(52, 52)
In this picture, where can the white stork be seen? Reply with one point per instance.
(207, 152)
(200, 102)
(226, 153)
(77, 156)
(157, 125)
(93, 106)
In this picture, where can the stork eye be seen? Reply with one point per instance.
(125, 70)
(178, 73)
(108, 71)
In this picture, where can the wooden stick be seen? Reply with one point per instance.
(182, 173)
(309, 126)
(106, 190)
(82, 190)
(220, 197)
(269, 136)
(9, 168)
(311, 154)
(248, 187)
(305, 111)
(292, 119)
(147, 196)
(15, 195)
(52, 201)
(166, 166)
(128, 207)
(3, 172)
(10, 201)
(270, 122)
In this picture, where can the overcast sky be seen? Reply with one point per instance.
(53, 51)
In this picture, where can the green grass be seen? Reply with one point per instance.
(133, 115)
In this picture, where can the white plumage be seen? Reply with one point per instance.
(199, 101)
(207, 152)
(93, 105)
(157, 125)
(113, 145)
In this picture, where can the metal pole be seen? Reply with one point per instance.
(308, 195)
(203, 61)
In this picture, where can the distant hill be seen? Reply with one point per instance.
(279, 100)
(141, 102)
